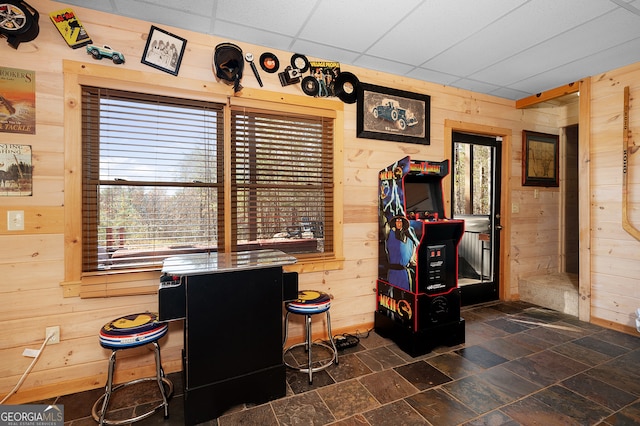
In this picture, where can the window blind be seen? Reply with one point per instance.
(152, 178)
(282, 181)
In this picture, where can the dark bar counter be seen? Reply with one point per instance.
(231, 304)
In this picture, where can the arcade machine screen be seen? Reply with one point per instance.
(421, 197)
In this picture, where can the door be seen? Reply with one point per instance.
(475, 198)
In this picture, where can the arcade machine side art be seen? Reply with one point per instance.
(418, 299)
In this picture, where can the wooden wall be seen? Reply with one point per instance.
(615, 254)
(31, 261)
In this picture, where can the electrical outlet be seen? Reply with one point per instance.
(54, 332)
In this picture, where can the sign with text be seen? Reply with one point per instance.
(31, 415)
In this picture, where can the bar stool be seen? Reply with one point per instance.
(132, 331)
(309, 303)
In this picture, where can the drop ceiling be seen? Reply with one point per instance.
(507, 48)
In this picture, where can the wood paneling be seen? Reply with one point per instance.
(614, 254)
(32, 261)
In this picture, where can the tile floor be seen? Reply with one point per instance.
(520, 365)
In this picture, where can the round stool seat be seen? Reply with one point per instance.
(310, 302)
(131, 331)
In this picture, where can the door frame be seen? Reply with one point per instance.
(450, 126)
(584, 181)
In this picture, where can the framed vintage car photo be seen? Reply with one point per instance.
(394, 115)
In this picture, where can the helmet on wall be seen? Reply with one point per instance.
(229, 64)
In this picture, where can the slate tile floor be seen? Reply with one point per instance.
(520, 365)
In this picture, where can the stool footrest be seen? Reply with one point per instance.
(323, 365)
(96, 406)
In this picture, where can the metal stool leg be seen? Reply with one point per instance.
(159, 377)
(108, 387)
(286, 329)
(333, 343)
(309, 362)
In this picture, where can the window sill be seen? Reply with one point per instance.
(132, 283)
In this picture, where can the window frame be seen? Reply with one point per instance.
(122, 283)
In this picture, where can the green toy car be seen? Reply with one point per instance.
(99, 52)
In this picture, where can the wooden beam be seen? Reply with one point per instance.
(584, 201)
(548, 95)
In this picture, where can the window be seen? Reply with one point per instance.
(153, 180)
(282, 189)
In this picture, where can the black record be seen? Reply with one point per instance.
(269, 62)
(300, 62)
(310, 85)
(346, 86)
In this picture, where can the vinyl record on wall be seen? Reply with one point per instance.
(269, 62)
(300, 62)
(346, 85)
(310, 85)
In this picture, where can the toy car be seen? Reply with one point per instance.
(99, 52)
(390, 110)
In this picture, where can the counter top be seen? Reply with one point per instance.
(207, 263)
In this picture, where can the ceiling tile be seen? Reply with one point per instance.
(532, 24)
(383, 65)
(594, 36)
(322, 52)
(432, 76)
(435, 26)
(161, 15)
(474, 85)
(507, 93)
(196, 7)
(104, 6)
(285, 17)
(609, 59)
(353, 25)
(244, 34)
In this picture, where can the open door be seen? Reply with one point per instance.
(475, 198)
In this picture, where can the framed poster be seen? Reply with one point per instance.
(394, 115)
(16, 170)
(17, 101)
(164, 50)
(539, 159)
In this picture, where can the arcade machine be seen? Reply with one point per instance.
(418, 299)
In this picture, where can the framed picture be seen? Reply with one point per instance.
(394, 115)
(164, 50)
(539, 159)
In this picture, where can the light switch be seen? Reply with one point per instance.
(15, 220)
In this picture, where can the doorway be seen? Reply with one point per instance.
(571, 206)
(475, 198)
